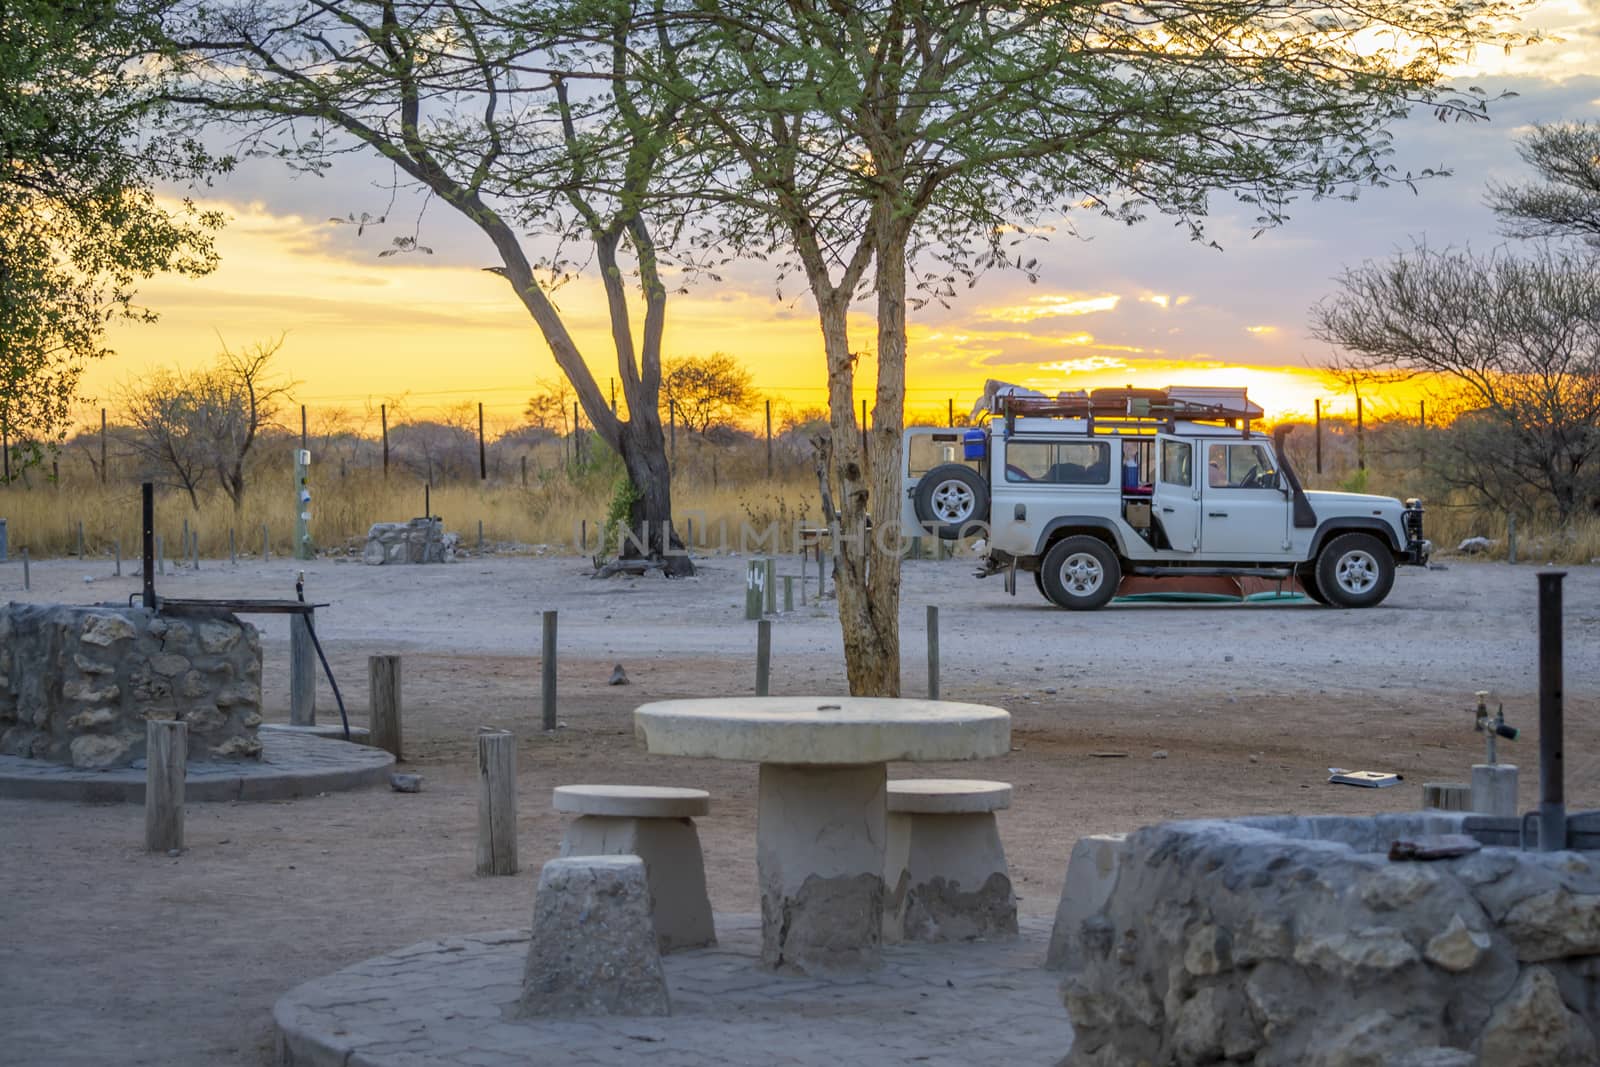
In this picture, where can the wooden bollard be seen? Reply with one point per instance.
(302, 671)
(547, 673)
(763, 657)
(497, 803)
(772, 585)
(1447, 796)
(383, 702)
(80, 539)
(788, 592)
(266, 544)
(166, 762)
(754, 576)
(933, 652)
(27, 578)
(118, 544)
(233, 548)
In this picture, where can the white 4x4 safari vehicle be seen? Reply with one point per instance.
(1082, 490)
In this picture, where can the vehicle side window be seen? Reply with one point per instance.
(1059, 462)
(1176, 464)
(1240, 467)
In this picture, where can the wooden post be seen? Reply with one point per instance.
(577, 435)
(524, 470)
(233, 548)
(1422, 432)
(427, 497)
(194, 548)
(1446, 796)
(933, 652)
(583, 535)
(497, 803)
(788, 593)
(547, 672)
(916, 547)
(769, 439)
(383, 703)
(1361, 438)
(483, 457)
(1318, 403)
(102, 446)
(302, 672)
(266, 544)
(753, 578)
(80, 540)
(950, 412)
(166, 760)
(304, 437)
(118, 544)
(772, 585)
(672, 421)
(480, 537)
(383, 413)
(763, 657)
(1511, 539)
(27, 578)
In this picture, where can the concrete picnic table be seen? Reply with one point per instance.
(821, 807)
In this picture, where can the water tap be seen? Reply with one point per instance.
(1494, 728)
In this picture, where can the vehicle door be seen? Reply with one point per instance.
(1039, 478)
(1245, 511)
(1176, 496)
(925, 448)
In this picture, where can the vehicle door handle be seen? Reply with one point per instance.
(1168, 510)
(1216, 514)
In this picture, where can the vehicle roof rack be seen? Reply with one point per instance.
(1131, 408)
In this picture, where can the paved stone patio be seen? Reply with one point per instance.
(446, 1002)
(291, 765)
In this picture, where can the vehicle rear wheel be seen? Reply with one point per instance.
(1080, 573)
(1355, 570)
(950, 499)
(1038, 581)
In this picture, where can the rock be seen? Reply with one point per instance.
(1207, 950)
(405, 783)
(1534, 1028)
(1473, 545)
(1159, 753)
(216, 638)
(1397, 886)
(99, 750)
(84, 693)
(92, 719)
(1458, 948)
(238, 748)
(1369, 1040)
(1554, 924)
(169, 666)
(89, 665)
(1197, 1031)
(193, 685)
(1262, 939)
(594, 949)
(105, 630)
(1364, 953)
(618, 676)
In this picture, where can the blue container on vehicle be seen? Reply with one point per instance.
(974, 445)
(1130, 473)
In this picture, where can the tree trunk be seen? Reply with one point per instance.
(652, 508)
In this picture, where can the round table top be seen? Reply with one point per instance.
(812, 730)
(632, 801)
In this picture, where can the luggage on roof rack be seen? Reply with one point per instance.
(1189, 403)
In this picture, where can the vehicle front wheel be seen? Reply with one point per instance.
(1355, 570)
(1307, 577)
(1080, 573)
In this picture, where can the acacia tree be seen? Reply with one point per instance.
(708, 390)
(1520, 338)
(1565, 201)
(80, 225)
(494, 111)
(916, 140)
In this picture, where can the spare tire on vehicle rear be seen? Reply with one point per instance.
(951, 499)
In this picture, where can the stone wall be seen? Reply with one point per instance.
(1294, 941)
(78, 683)
(417, 541)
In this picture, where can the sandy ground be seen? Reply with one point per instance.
(111, 956)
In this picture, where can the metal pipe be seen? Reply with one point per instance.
(148, 493)
(1552, 774)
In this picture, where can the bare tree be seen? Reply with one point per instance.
(1519, 336)
(239, 400)
(168, 438)
(1566, 200)
(708, 390)
(551, 407)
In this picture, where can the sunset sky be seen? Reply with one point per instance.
(1113, 305)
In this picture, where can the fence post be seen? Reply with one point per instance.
(233, 549)
(763, 657)
(383, 413)
(753, 578)
(1318, 405)
(497, 803)
(547, 673)
(266, 544)
(483, 457)
(1361, 438)
(27, 578)
(102, 446)
(769, 439)
(166, 759)
(933, 652)
(119, 556)
(80, 540)
(788, 593)
(1511, 539)
(383, 702)
(302, 671)
(771, 581)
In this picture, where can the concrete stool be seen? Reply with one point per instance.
(945, 869)
(657, 825)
